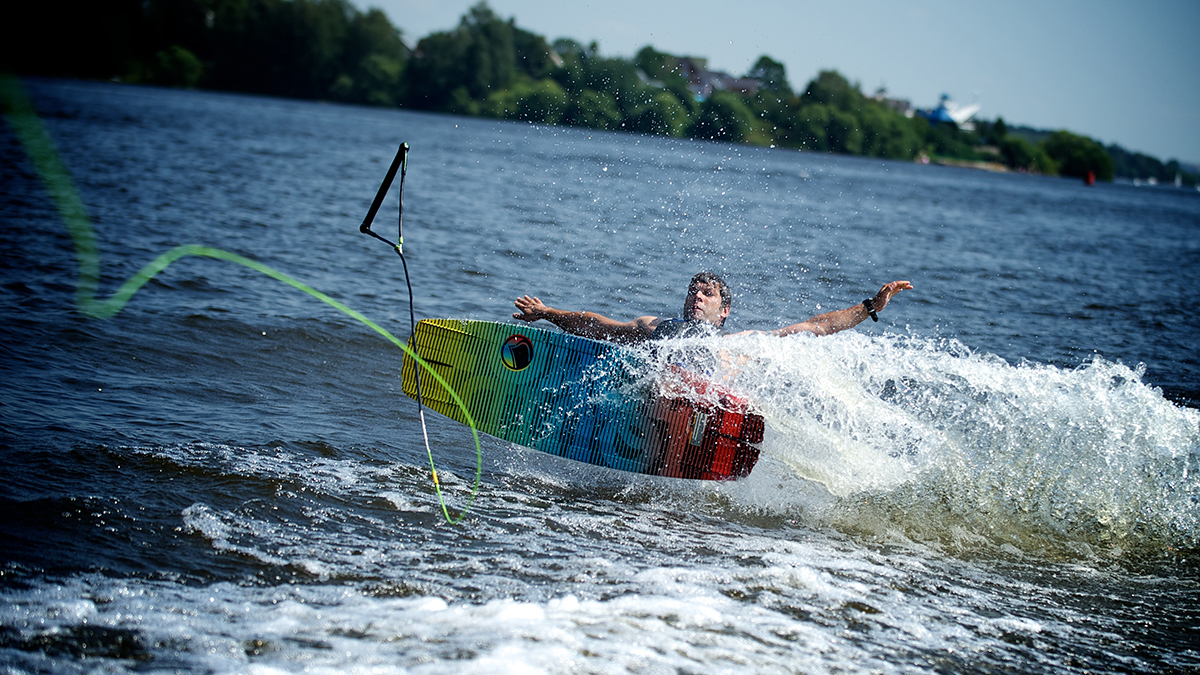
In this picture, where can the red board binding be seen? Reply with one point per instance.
(703, 432)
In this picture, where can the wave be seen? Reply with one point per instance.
(928, 439)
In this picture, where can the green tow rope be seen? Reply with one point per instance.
(23, 119)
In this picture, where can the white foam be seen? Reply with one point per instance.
(712, 614)
(925, 426)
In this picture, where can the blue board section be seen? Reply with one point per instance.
(582, 399)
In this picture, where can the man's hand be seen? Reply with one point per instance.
(586, 324)
(532, 309)
(881, 298)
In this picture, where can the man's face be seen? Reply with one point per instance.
(704, 304)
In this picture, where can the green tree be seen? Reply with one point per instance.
(328, 48)
(436, 71)
(947, 140)
(1018, 153)
(565, 47)
(571, 76)
(594, 110)
(175, 66)
(584, 69)
(1172, 169)
(887, 133)
(532, 53)
(1022, 155)
(771, 75)
(1077, 155)
(992, 132)
(313, 36)
(723, 117)
(833, 116)
(500, 104)
(544, 102)
(831, 89)
(479, 55)
(497, 105)
(775, 112)
(1042, 163)
(810, 126)
(1135, 165)
(491, 54)
(619, 78)
(1139, 165)
(663, 68)
(373, 60)
(658, 65)
(286, 48)
(844, 133)
(664, 116)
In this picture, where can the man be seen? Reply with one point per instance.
(704, 311)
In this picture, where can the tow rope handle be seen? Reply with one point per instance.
(399, 163)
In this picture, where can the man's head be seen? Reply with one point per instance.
(708, 299)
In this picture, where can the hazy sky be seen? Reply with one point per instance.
(1123, 72)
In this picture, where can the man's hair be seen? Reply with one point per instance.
(713, 278)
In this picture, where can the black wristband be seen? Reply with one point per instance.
(870, 305)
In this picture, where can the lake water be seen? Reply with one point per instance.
(1001, 475)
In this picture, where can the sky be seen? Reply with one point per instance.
(1120, 72)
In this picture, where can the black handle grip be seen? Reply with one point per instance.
(401, 157)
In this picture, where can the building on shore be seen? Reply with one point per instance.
(702, 82)
(950, 112)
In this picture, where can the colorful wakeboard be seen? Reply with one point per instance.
(583, 399)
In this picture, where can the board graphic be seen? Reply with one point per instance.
(583, 399)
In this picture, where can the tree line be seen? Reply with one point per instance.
(330, 50)
(316, 49)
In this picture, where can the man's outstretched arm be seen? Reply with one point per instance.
(833, 322)
(586, 324)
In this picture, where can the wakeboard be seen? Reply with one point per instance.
(583, 399)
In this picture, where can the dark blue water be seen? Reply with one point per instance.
(1000, 475)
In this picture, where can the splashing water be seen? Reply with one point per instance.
(926, 439)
